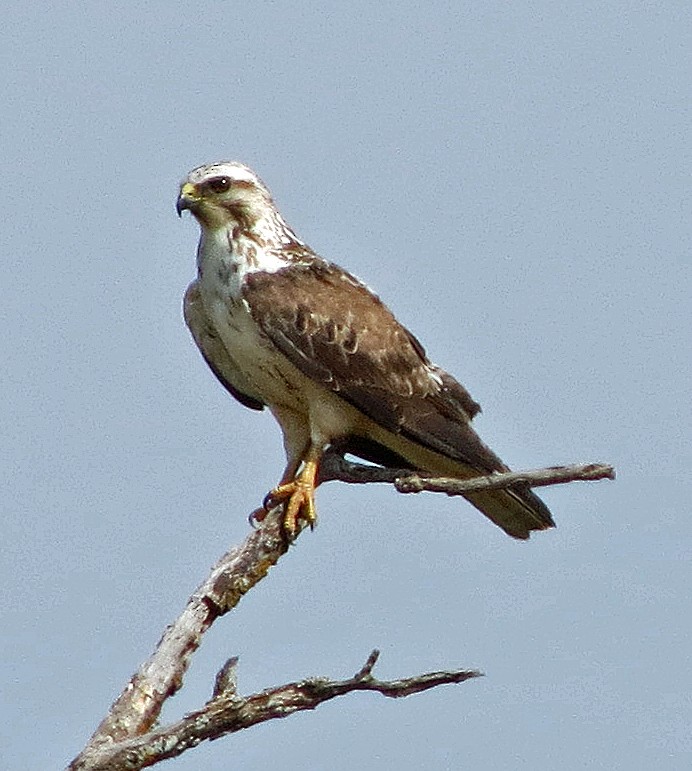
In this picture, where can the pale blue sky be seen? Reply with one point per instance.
(514, 180)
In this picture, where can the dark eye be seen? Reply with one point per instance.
(219, 184)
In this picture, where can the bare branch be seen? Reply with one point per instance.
(139, 705)
(121, 741)
(555, 475)
(226, 683)
(226, 714)
(336, 467)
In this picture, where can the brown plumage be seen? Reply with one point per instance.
(281, 327)
(358, 350)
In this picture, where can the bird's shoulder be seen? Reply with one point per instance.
(338, 331)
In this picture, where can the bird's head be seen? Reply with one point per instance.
(223, 194)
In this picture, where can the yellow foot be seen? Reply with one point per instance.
(298, 498)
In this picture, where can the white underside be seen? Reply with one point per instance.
(306, 411)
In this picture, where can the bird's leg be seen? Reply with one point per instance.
(297, 493)
(299, 497)
(287, 477)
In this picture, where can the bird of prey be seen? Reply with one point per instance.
(282, 328)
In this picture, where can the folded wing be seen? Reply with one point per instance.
(337, 332)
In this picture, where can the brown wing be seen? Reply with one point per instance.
(336, 331)
(214, 351)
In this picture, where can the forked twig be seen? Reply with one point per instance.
(125, 739)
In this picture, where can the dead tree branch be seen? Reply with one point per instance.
(139, 705)
(537, 478)
(125, 739)
(227, 713)
(336, 467)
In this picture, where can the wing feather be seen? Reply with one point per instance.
(339, 333)
(336, 331)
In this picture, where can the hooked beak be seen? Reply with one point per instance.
(186, 199)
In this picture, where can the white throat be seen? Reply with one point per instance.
(223, 262)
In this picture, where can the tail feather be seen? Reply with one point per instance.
(517, 511)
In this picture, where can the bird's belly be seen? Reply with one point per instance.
(268, 372)
(260, 364)
(275, 380)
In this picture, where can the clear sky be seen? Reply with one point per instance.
(514, 180)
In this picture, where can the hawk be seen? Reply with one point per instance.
(282, 328)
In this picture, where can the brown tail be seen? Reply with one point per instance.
(517, 511)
